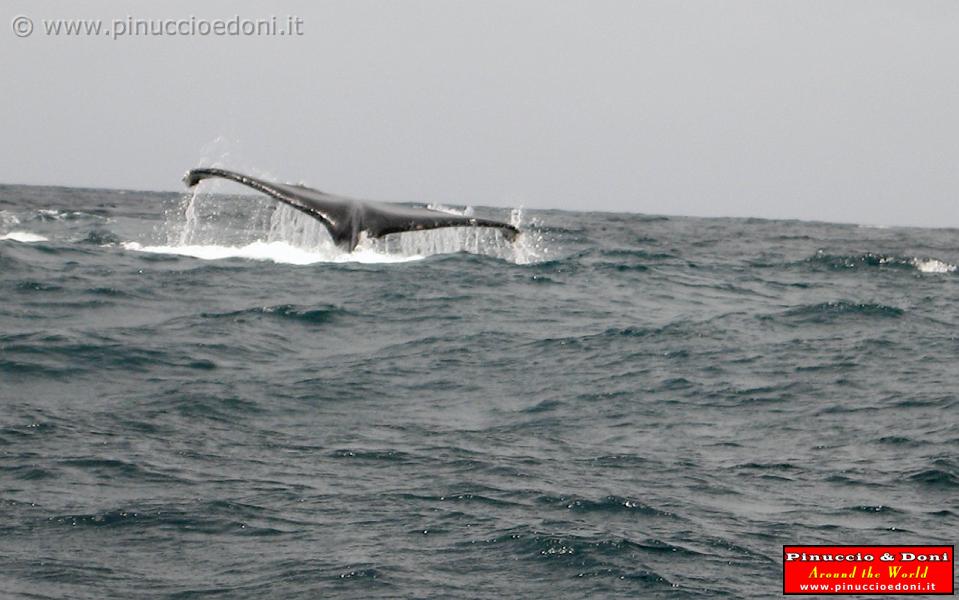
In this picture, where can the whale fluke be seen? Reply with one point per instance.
(345, 217)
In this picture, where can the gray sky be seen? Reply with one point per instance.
(836, 111)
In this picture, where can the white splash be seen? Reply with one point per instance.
(278, 252)
(933, 265)
(213, 225)
(23, 236)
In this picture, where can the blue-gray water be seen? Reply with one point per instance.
(635, 406)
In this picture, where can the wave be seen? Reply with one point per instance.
(56, 355)
(37, 286)
(45, 214)
(321, 314)
(941, 473)
(869, 260)
(591, 555)
(209, 517)
(936, 478)
(607, 504)
(101, 237)
(826, 311)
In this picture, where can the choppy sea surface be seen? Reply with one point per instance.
(201, 397)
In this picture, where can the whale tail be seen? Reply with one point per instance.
(346, 218)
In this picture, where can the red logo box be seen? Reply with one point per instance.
(867, 570)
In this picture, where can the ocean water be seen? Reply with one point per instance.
(200, 397)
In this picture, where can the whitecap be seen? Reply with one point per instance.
(932, 265)
(8, 218)
(23, 236)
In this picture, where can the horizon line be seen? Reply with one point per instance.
(520, 207)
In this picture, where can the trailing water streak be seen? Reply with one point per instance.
(212, 227)
(347, 219)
